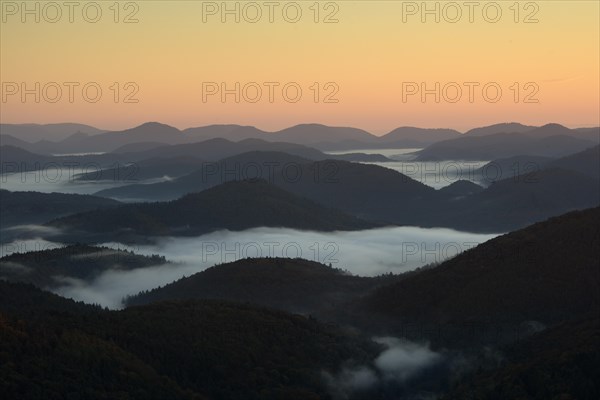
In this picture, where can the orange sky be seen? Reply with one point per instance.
(369, 58)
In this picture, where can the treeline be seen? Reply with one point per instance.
(54, 348)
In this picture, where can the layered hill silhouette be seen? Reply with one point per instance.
(234, 206)
(586, 162)
(76, 138)
(383, 195)
(153, 160)
(519, 201)
(16, 159)
(218, 148)
(511, 167)
(507, 127)
(548, 141)
(148, 169)
(23, 208)
(154, 132)
(46, 132)
(417, 137)
(366, 191)
(247, 165)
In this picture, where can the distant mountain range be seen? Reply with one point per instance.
(47, 132)
(547, 141)
(140, 161)
(364, 191)
(74, 138)
(586, 162)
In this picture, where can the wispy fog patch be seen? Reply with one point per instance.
(398, 363)
(13, 267)
(34, 229)
(366, 253)
(25, 246)
(350, 380)
(112, 286)
(53, 179)
(403, 359)
(29, 233)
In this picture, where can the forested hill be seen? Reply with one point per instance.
(53, 348)
(544, 274)
(234, 205)
(44, 268)
(294, 285)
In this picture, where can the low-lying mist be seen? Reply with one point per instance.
(110, 288)
(407, 370)
(365, 253)
(396, 370)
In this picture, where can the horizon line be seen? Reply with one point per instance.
(578, 126)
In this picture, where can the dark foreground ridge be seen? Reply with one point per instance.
(53, 348)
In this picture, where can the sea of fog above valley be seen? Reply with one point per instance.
(365, 253)
(61, 180)
(437, 174)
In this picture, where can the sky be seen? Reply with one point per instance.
(375, 65)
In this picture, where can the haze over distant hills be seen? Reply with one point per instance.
(47, 132)
(586, 162)
(438, 329)
(75, 138)
(176, 160)
(380, 194)
(366, 191)
(548, 141)
(22, 208)
(509, 127)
